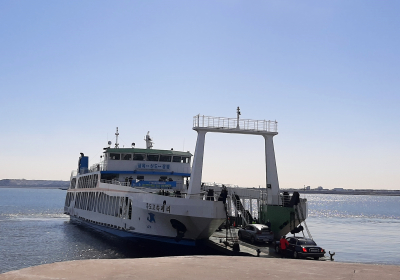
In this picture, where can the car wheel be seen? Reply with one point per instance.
(252, 240)
(240, 236)
(295, 255)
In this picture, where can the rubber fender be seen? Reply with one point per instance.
(179, 226)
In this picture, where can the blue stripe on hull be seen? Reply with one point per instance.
(134, 235)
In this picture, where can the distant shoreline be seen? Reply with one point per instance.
(34, 187)
(373, 192)
(42, 184)
(64, 185)
(347, 192)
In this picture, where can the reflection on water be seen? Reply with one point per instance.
(354, 206)
(358, 228)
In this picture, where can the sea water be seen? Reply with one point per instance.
(34, 230)
(358, 228)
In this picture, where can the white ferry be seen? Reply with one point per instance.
(142, 193)
(157, 195)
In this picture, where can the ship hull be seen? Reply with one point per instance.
(136, 214)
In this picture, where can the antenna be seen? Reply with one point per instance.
(116, 139)
(238, 114)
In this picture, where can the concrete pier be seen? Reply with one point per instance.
(205, 267)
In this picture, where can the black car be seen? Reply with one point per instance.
(301, 247)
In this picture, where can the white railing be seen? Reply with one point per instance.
(165, 192)
(115, 182)
(97, 167)
(231, 123)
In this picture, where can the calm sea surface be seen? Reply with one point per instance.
(34, 230)
(358, 228)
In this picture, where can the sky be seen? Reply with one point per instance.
(326, 71)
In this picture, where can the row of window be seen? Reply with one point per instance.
(149, 157)
(88, 181)
(73, 183)
(85, 182)
(68, 198)
(100, 202)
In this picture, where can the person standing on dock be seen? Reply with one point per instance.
(283, 244)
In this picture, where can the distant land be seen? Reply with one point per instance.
(22, 183)
(320, 190)
(53, 184)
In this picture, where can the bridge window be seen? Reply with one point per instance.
(126, 156)
(165, 158)
(176, 159)
(153, 157)
(185, 159)
(115, 156)
(138, 157)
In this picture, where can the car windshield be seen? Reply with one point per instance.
(307, 242)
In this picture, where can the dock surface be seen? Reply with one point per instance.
(205, 267)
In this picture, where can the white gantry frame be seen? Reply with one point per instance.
(267, 129)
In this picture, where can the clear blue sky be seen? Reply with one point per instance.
(327, 71)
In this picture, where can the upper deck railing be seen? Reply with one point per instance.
(234, 123)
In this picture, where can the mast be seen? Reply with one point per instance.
(116, 139)
(238, 114)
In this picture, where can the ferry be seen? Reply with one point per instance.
(158, 195)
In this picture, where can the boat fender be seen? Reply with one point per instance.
(180, 229)
(297, 230)
(283, 225)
